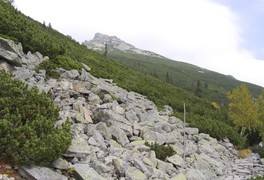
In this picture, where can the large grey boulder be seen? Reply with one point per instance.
(120, 166)
(40, 173)
(134, 174)
(119, 135)
(5, 66)
(78, 148)
(101, 128)
(177, 161)
(87, 68)
(100, 167)
(203, 166)
(10, 52)
(141, 166)
(84, 172)
(131, 116)
(115, 120)
(22, 73)
(195, 174)
(73, 74)
(151, 136)
(60, 164)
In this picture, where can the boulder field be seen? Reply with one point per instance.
(110, 126)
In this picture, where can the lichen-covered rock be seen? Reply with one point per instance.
(40, 173)
(133, 173)
(84, 172)
(78, 148)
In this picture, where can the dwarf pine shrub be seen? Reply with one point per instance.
(162, 151)
(27, 124)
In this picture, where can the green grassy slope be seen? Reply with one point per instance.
(35, 36)
(214, 86)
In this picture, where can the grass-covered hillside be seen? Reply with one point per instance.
(67, 53)
(202, 82)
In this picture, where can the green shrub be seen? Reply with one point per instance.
(67, 63)
(27, 125)
(59, 61)
(259, 150)
(257, 178)
(162, 151)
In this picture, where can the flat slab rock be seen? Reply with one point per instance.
(84, 172)
(40, 173)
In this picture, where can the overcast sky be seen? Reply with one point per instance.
(221, 35)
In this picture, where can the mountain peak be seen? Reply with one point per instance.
(115, 43)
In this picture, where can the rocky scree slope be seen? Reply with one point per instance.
(99, 42)
(111, 125)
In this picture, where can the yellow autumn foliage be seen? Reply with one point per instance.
(243, 110)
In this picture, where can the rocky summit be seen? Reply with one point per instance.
(114, 43)
(110, 126)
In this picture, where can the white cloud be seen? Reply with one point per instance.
(201, 32)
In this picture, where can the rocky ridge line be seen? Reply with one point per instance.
(113, 42)
(111, 125)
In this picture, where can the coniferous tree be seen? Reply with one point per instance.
(106, 49)
(27, 124)
(198, 90)
(260, 105)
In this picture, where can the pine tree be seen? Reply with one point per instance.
(260, 104)
(198, 90)
(27, 120)
(106, 49)
(242, 109)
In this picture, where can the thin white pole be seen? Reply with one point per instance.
(184, 138)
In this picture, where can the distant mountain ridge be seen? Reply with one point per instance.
(202, 82)
(114, 43)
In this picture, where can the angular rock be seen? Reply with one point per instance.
(119, 135)
(177, 160)
(115, 120)
(65, 85)
(99, 139)
(101, 128)
(87, 115)
(80, 119)
(167, 111)
(151, 136)
(131, 116)
(119, 166)
(191, 131)
(78, 106)
(84, 172)
(5, 66)
(204, 146)
(22, 73)
(100, 167)
(78, 148)
(136, 128)
(152, 157)
(166, 167)
(10, 52)
(40, 173)
(179, 177)
(204, 167)
(60, 164)
(73, 74)
(85, 76)
(195, 174)
(94, 99)
(117, 109)
(134, 174)
(141, 166)
(87, 68)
